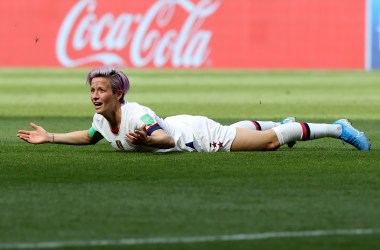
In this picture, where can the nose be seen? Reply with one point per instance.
(94, 95)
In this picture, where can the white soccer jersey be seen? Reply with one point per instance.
(190, 133)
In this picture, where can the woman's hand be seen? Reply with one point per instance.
(158, 139)
(37, 136)
(138, 137)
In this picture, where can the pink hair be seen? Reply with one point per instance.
(119, 81)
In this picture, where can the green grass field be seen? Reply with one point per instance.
(92, 197)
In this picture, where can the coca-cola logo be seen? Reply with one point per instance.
(136, 39)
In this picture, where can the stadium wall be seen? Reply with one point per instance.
(252, 34)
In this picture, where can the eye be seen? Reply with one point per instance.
(92, 90)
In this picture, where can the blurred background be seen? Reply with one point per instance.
(197, 34)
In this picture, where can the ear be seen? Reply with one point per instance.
(119, 95)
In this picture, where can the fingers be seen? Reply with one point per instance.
(24, 137)
(133, 137)
(33, 125)
(130, 137)
(29, 135)
(143, 128)
(23, 132)
(140, 133)
(26, 132)
(137, 137)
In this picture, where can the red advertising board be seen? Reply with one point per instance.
(255, 34)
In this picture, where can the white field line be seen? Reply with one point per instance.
(187, 240)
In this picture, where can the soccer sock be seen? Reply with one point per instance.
(306, 131)
(256, 125)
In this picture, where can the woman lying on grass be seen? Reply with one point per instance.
(129, 126)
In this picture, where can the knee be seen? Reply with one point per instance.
(272, 145)
(271, 141)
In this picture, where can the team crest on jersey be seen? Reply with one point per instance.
(120, 145)
(147, 119)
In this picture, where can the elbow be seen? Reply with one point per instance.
(171, 143)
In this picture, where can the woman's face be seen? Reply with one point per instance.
(102, 97)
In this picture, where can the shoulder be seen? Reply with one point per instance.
(139, 114)
(135, 109)
(97, 118)
(133, 105)
(98, 121)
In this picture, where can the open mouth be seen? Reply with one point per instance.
(97, 105)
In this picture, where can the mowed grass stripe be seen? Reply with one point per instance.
(189, 240)
(250, 94)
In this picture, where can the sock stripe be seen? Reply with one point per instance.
(305, 131)
(257, 125)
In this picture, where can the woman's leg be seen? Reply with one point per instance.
(250, 140)
(261, 125)
(272, 139)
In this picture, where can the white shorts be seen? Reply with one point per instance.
(209, 136)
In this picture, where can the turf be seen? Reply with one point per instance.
(65, 193)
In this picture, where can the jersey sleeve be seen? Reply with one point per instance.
(95, 135)
(94, 130)
(151, 123)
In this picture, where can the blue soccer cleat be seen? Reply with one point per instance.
(353, 136)
(289, 120)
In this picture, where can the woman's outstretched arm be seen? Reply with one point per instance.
(39, 135)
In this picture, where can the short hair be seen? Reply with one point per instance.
(119, 81)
